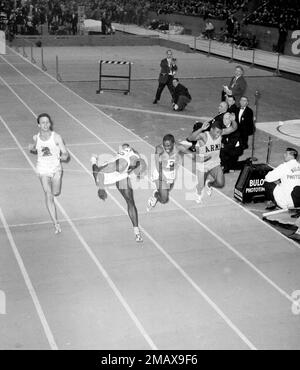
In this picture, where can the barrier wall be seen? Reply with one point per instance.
(122, 39)
(86, 40)
(266, 36)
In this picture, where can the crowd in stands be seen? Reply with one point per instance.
(61, 16)
(268, 12)
(26, 16)
(274, 12)
(213, 8)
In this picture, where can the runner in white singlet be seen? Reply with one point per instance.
(117, 171)
(50, 150)
(167, 160)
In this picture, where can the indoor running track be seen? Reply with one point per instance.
(206, 277)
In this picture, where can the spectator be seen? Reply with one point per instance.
(296, 200)
(281, 181)
(230, 21)
(283, 32)
(245, 121)
(231, 148)
(168, 69)
(209, 29)
(181, 95)
(232, 107)
(74, 22)
(237, 86)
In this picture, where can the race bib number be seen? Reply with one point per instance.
(171, 164)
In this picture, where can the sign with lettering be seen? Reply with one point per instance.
(295, 47)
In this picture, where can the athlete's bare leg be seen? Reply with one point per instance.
(213, 178)
(56, 183)
(125, 188)
(126, 191)
(163, 190)
(217, 177)
(46, 182)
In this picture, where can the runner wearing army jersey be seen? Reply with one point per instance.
(209, 170)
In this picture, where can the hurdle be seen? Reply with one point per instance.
(126, 77)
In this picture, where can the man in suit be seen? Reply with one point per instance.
(232, 107)
(245, 121)
(168, 69)
(74, 22)
(231, 148)
(237, 86)
(282, 33)
(181, 95)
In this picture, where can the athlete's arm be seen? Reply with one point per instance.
(194, 136)
(158, 152)
(138, 166)
(63, 150)
(32, 146)
(184, 150)
(202, 139)
(102, 194)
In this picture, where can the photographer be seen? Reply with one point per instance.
(181, 95)
(168, 69)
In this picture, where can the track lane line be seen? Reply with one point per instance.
(148, 144)
(89, 250)
(169, 258)
(225, 243)
(219, 238)
(29, 284)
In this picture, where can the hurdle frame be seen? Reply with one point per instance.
(127, 77)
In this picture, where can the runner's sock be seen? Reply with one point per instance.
(136, 230)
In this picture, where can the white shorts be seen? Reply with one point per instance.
(113, 177)
(168, 176)
(48, 171)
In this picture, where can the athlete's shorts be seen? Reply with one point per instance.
(168, 176)
(48, 171)
(203, 164)
(214, 172)
(113, 177)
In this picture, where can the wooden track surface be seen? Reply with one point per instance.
(206, 277)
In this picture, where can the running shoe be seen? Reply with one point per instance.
(57, 229)
(138, 238)
(208, 189)
(94, 159)
(199, 198)
(151, 202)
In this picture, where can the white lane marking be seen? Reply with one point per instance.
(151, 146)
(182, 272)
(152, 112)
(29, 285)
(89, 250)
(226, 244)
